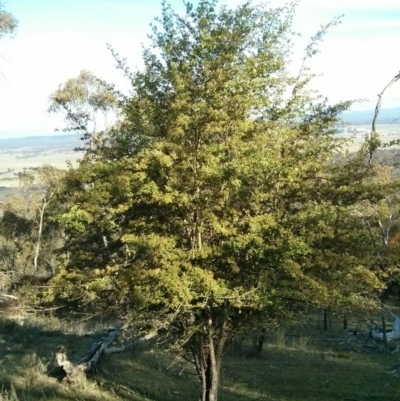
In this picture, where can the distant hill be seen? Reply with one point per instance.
(20, 154)
(386, 116)
(65, 142)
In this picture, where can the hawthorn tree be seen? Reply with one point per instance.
(228, 214)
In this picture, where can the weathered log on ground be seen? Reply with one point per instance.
(74, 371)
(97, 349)
(131, 344)
(374, 347)
(390, 335)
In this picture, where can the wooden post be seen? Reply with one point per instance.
(325, 319)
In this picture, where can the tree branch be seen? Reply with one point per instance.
(374, 136)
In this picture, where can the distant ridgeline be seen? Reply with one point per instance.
(386, 116)
(69, 142)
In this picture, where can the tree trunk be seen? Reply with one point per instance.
(345, 322)
(260, 343)
(41, 209)
(40, 229)
(325, 319)
(385, 341)
(254, 340)
(212, 347)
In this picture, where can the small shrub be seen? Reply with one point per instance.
(32, 361)
(32, 370)
(303, 343)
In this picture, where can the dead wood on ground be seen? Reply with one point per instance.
(74, 371)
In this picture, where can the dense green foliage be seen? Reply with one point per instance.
(217, 204)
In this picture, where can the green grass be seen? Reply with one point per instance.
(308, 365)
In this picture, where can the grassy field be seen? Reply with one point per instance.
(303, 363)
(388, 133)
(19, 154)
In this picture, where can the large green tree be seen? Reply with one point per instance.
(219, 204)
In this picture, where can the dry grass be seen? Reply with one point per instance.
(280, 340)
(301, 344)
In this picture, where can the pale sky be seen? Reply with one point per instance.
(58, 38)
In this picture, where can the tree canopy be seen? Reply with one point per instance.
(89, 108)
(8, 23)
(219, 204)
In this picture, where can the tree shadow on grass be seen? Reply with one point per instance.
(20, 338)
(153, 374)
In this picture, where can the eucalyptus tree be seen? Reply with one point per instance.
(8, 23)
(89, 107)
(227, 214)
(41, 187)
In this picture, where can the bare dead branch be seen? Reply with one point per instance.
(131, 344)
(374, 135)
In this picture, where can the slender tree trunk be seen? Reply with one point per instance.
(212, 346)
(212, 372)
(260, 343)
(40, 230)
(344, 322)
(325, 319)
(42, 208)
(384, 337)
(254, 340)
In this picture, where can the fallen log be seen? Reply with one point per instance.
(97, 349)
(74, 371)
(131, 344)
(390, 335)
